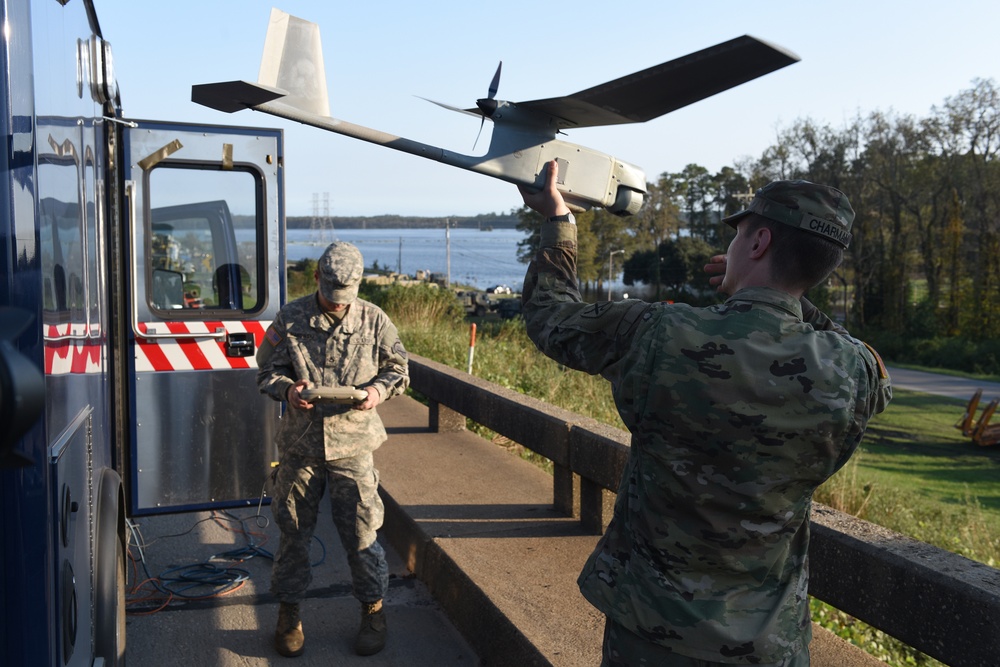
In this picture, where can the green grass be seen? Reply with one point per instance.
(916, 473)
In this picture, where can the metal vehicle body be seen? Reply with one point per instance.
(141, 263)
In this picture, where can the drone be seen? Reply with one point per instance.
(292, 85)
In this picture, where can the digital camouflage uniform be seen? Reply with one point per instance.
(737, 413)
(331, 444)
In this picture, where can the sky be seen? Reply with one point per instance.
(856, 58)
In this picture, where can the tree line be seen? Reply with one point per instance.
(924, 264)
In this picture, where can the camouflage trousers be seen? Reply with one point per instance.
(623, 648)
(357, 510)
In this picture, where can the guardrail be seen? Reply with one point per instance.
(940, 603)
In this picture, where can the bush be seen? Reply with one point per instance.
(955, 353)
(415, 304)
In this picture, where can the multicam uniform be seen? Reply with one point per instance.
(737, 413)
(330, 443)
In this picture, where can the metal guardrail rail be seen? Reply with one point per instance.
(938, 602)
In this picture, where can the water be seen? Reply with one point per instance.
(480, 259)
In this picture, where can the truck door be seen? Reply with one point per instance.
(205, 249)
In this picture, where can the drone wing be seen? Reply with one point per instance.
(663, 88)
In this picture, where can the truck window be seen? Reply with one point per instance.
(205, 241)
(63, 252)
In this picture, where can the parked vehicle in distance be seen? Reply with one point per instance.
(474, 303)
(508, 309)
(499, 289)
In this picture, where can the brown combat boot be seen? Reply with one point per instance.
(288, 638)
(371, 634)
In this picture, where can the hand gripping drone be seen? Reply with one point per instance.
(292, 85)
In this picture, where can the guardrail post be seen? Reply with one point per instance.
(443, 419)
(564, 485)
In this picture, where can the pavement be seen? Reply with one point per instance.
(940, 384)
(236, 629)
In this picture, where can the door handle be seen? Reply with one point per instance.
(239, 344)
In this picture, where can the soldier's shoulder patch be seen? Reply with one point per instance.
(272, 336)
(882, 373)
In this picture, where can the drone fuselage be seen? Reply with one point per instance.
(517, 153)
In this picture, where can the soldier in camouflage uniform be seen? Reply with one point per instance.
(737, 413)
(330, 339)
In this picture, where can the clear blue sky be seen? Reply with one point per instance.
(857, 57)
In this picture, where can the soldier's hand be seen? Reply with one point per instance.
(294, 396)
(370, 402)
(548, 201)
(716, 268)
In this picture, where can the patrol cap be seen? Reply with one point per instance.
(340, 269)
(818, 209)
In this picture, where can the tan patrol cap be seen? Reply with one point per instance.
(340, 269)
(819, 209)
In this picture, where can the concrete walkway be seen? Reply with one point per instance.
(237, 629)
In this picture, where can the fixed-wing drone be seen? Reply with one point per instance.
(292, 85)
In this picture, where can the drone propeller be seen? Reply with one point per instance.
(488, 105)
(449, 107)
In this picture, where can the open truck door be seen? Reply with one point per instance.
(205, 247)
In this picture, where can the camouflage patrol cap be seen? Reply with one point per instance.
(340, 269)
(818, 209)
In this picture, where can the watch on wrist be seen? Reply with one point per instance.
(565, 217)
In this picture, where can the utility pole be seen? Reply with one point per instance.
(611, 256)
(447, 246)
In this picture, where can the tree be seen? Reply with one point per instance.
(970, 142)
(697, 191)
(676, 264)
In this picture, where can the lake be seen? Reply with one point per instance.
(478, 258)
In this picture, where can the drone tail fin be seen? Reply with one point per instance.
(293, 61)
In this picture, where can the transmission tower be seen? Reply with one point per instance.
(321, 226)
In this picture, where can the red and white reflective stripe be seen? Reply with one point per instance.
(193, 354)
(73, 348)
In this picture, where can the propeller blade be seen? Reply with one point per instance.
(478, 134)
(449, 107)
(495, 84)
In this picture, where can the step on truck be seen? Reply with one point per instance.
(141, 264)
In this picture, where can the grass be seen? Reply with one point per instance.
(916, 473)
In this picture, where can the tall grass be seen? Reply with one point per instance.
(962, 526)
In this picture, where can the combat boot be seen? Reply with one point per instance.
(288, 638)
(371, 634)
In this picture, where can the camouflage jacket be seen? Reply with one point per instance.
(361, 351)
(737, 413)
